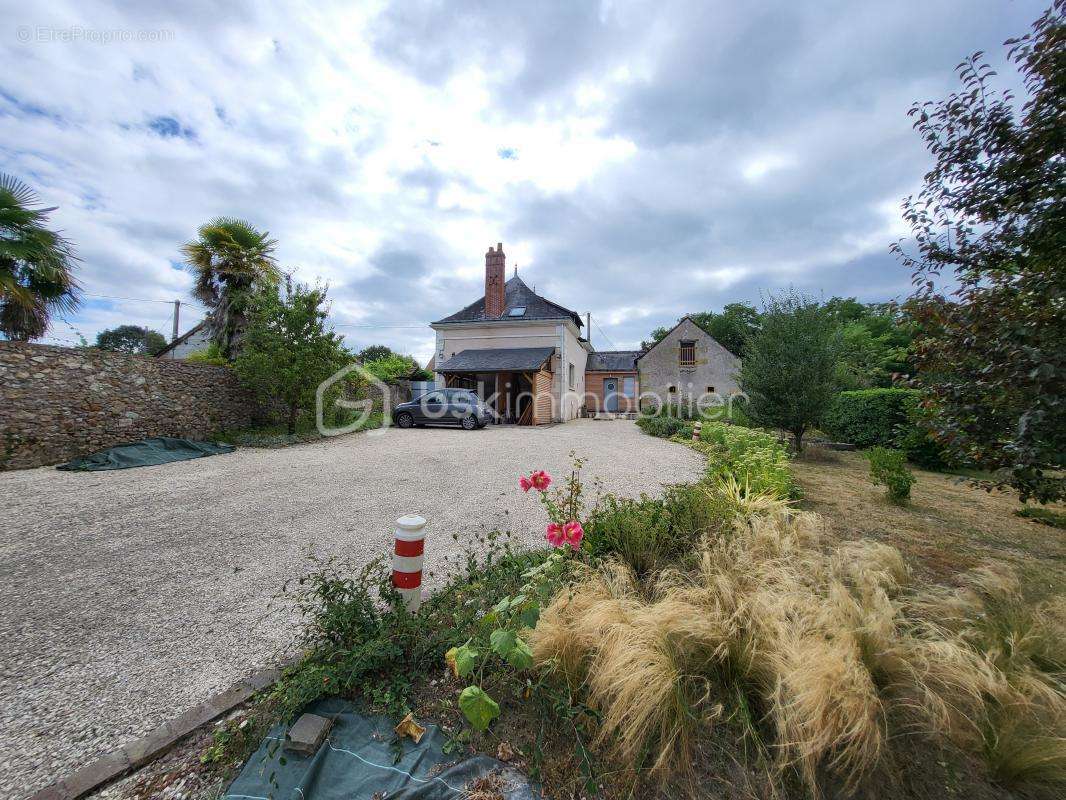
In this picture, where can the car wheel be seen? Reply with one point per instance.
(404, 420)
(468, 423)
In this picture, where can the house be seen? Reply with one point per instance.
(193, 340)
(611, 381)
(522, 353)
(687, 367)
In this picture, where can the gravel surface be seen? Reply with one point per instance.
(132, 595)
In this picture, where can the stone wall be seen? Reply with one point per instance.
(59, 402)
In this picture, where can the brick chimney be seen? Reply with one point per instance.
(494, 275)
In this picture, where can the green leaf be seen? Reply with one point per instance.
(466, 658)
(478, 707)
(502, 606)
(529, 616)
(503, 641)
(521, 656)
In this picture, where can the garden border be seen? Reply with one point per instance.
(136, 754)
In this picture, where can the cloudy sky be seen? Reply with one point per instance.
(638, 159)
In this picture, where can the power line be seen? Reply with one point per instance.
(130, 299)
(605, 336)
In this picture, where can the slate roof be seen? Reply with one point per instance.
(515, 295)
(507, 359)
(183, 338)
(613, 361)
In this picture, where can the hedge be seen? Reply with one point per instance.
(869, 417)
(883, 418)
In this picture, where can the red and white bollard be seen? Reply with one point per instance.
(407, 559)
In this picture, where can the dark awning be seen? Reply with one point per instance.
(510, 359)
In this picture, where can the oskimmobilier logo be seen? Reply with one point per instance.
(365, 407)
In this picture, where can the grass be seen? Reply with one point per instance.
(1056, 519)
(277, 435)
(948, 528)
(835, 646)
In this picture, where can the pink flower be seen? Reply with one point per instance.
(525, 483)
(573, 533)
(541, 480)
(554, 534)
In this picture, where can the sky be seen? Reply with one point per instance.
(638, 160)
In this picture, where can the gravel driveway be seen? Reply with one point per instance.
(130, 596)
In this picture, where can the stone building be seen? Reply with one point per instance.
(687, 367)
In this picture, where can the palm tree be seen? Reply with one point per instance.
(232, 262)
(36, 265)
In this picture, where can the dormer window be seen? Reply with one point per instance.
(518, 311)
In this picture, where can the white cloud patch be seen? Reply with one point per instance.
(639, 160)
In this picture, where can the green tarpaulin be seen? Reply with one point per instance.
(363, 759)
(146, 452)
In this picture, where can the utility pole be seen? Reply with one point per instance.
(177, 313)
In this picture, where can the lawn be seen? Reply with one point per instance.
(948, 527)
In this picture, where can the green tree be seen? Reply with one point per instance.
(876, 340)
(789, 370)
(287, 350)
(131, 339)
(373, 353)
(394, 366)
(731, 328)
(991, 219)
(36, 265)
(232, 263)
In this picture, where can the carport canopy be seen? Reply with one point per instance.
(507, 359)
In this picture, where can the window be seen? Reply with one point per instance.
(517, 311)
(629, 387)
(571, 372)
(440, 353)
(672, 390)
(688, 354)
(710, 390)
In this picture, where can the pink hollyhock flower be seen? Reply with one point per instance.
(541, 480)
(573, 533)
(555, 536)
(525, 483)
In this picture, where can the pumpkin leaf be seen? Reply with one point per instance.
(478, 707)
(465, 659)
(502, 641)
(521, 656)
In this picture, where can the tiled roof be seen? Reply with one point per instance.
(516, 295)
(613, 361)
(506, 359)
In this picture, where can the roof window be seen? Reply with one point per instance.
(517, 311)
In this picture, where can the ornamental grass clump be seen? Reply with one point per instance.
(835, 651)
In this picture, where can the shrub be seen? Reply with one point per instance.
(888, 468)
(756, 459)
(885, 418)
(212, 355)
(648, 534)
(663, 426)
(869, 417)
